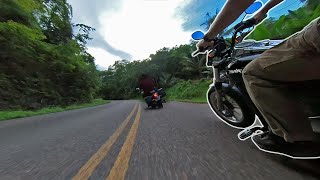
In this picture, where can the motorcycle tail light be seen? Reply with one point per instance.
(155, 95)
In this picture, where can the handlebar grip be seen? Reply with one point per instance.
(199, 50)
(250, 22)
(245, 24)
(202, 49)
(238, 25)
(195, 53)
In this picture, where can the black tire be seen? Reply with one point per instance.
(160, 105)
(248, 116)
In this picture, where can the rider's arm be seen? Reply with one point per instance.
(230, 12)
(269, 6)
(263, 12)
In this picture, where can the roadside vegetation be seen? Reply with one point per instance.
(287, 25)
(43, 56)
(189, 91)
(12, 114)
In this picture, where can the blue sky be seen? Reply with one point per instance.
(134, 29)
(194, 11)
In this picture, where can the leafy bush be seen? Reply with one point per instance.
(189, 90)
(289, 24)
(34, 72)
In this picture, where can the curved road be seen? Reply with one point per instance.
(123, 140)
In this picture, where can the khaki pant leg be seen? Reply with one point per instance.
(296, 59)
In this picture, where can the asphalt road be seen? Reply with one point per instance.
(182, 141)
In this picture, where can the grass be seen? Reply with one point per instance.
(194, 100)
(6, 115)
(189, 91)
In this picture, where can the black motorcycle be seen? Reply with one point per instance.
(227, 95)
(155, 99)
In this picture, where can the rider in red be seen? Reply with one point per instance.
(146, 84)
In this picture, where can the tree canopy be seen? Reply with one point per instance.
(42, 62)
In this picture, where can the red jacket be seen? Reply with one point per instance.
(147, 85)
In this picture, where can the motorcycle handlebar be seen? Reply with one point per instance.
(239, 27)
(245, 24)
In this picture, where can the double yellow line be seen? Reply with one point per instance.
(120, 167)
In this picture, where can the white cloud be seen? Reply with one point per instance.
(103, 58)
(139, 28)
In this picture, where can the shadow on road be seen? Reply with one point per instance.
(150, 109)
(308, 167)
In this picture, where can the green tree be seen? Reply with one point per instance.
(41, 62)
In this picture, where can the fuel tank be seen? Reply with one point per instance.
(249, 50)
(248, 47)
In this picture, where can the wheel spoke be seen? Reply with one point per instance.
(235, 110)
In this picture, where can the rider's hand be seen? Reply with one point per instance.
(204, 44)
(260, 16)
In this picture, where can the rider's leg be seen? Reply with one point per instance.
(296, 59)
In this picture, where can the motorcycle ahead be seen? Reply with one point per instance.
(227, 95)
(155, 99)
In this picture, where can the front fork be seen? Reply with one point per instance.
(218, 84)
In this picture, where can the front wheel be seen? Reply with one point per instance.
(160, 105)
(234, 109)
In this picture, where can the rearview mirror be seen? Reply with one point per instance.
(197, 35)
(254, 7)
